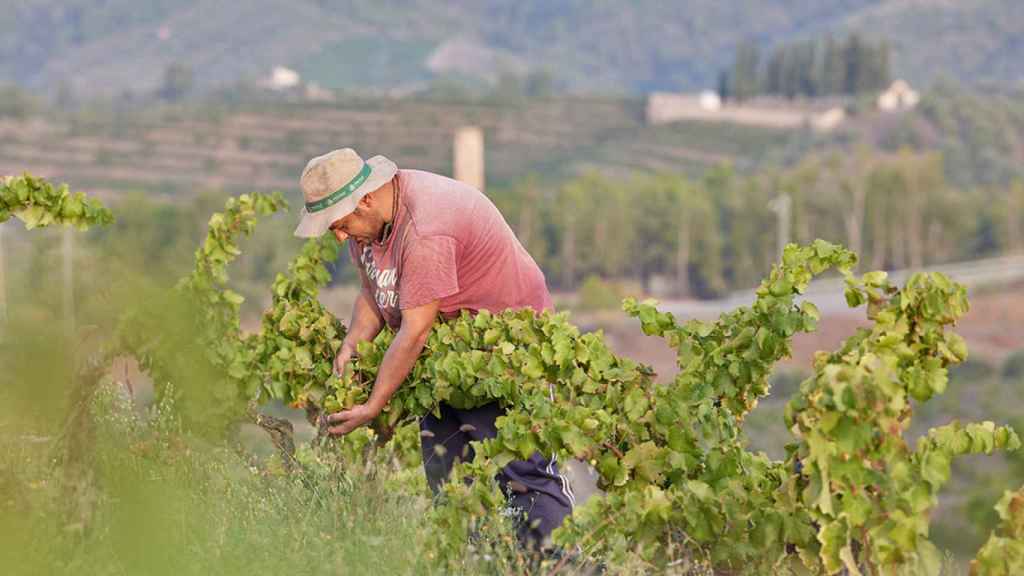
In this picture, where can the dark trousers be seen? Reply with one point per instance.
(534, 487)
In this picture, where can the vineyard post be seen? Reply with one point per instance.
(781, 206)
(3, 287)
(69, 301)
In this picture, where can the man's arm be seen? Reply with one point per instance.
(366, 323)
(397, 362)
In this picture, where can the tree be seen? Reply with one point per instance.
(745, 223)
(833, 71)
(654, 205)
(773, 72)
(570, 197)
(1015, 216)
(883, 69)
(925, 182)
(602, 223)
(746, 72)
(177, 82)
(698, 244)
(539, 84)
(884, 187)
(612, 226)
(790, 84)
(724, 85)
(854, 59)
(801, 185)
(16, 103)
(848, 175)
(813, 69)
(529, 226)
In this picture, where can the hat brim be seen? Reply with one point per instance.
(314, 225)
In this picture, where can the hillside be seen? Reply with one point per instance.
(93, 47)
(243, 146)
(264, 146)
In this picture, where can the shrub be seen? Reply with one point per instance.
(598, 294)
(1013, 366)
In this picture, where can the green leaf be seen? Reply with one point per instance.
(636, 405)
(645, 462)
(32, 216)
(302, 357)
(233, 297)
(810, 310)
(532, 367)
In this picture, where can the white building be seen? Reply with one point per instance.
(828, 120)
(282, 78)
(710, 100)
(822, 115)
(317, 93)
(899, 96)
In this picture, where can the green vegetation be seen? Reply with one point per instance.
(1003, 553)
(862, 484)
(596, 294)
(609, 47)
(681, 489)
(477, 359)
(937, 184)
(975, 133)
(809, 70)
(166, 502)
(366, 63)
(38, 204)
(719, 232)
(948, 167)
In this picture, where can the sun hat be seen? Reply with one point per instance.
(334, 183)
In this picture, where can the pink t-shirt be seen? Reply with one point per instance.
(449, 243)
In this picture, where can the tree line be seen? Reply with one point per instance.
(720, 232)
(809, 69)
(674, 234)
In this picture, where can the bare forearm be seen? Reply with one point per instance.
(396, 365)
(366, 322)
(398, 361)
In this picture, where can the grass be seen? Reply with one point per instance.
(165, 502)
(149, 497)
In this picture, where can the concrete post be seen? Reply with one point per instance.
(3, 287)
(781, 206)
(468, 156)
(69, 294)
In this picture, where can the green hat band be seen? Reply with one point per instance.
(341, 193)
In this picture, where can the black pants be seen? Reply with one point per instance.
(534, 487)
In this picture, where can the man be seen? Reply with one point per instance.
(427, 245)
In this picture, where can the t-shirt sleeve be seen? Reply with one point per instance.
(428, 271)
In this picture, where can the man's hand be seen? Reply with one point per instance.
(349, 420)
(365, 325)
(397, 362)
(341, 360)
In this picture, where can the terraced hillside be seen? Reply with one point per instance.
(265, 147)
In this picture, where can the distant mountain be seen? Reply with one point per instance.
(95, 47)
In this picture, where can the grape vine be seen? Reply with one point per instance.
(1003, 553)
(868, 492)
(191, 336)
(38, 203)
(679, 483)
(677, 477)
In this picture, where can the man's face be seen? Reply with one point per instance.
(363, 225)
